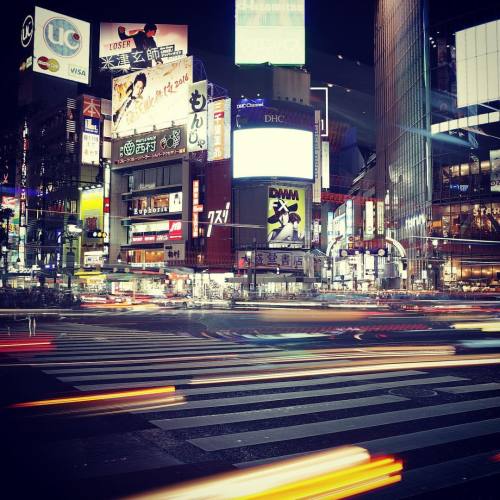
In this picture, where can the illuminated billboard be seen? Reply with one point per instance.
(153, 97)
(132, 46)
(219, 130)
(198, 117)
(270, 31)
(286, 217)
(478, 64)
(61, 46)
(91, 213)
(273, 152)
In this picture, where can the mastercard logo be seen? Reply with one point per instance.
(48, 64)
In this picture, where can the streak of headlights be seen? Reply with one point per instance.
(358, 367)
(333, 474)
(485, 326)
(103, 403)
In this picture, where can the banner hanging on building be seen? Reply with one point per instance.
(132, 46)
(153, 97)
(198, 117)
(219, 129)
(62, 46)
(286, 217)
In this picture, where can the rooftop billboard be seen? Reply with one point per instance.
(270, 31)
(132, 46)
(61, 46)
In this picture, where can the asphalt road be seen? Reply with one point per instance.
(251, 387)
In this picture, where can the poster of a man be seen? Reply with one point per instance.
(144, 39)
(132, 102)
(286, 222)
(125, 47)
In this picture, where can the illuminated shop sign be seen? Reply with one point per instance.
(217, 217)
(270, 259)
(219, 129)
(150, 147)
(249, 103)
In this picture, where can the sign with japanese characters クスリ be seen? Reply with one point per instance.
(131, 46)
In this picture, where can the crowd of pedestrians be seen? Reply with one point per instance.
(35, 298)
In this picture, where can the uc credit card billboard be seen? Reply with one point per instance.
(62, 46)
(132, 46)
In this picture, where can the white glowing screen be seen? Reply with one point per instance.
(273, 152)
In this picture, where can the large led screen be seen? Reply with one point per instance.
(273, 152)
(270, 31)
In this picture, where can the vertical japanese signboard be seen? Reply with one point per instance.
(197, 208)
(325, 165)
(219, 129)
(317, 157)
(380, 218)
(369, 226)
(197, 118)
(91, 130)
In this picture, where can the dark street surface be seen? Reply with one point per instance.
(251, 387)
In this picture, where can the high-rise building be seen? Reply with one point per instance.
(437, 96)
(404, 177)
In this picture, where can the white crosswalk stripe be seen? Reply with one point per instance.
(249, 423)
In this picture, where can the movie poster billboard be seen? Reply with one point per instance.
(126, 47)
(286, 217)
(61, 46)
(153, 97)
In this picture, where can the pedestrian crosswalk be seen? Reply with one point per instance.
(451, 425)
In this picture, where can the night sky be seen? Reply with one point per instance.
(332, 26)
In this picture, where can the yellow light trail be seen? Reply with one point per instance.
(333, 474)
(96, 397)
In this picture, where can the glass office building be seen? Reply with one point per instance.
(404, 178)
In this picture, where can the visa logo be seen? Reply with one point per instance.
(75, 70)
